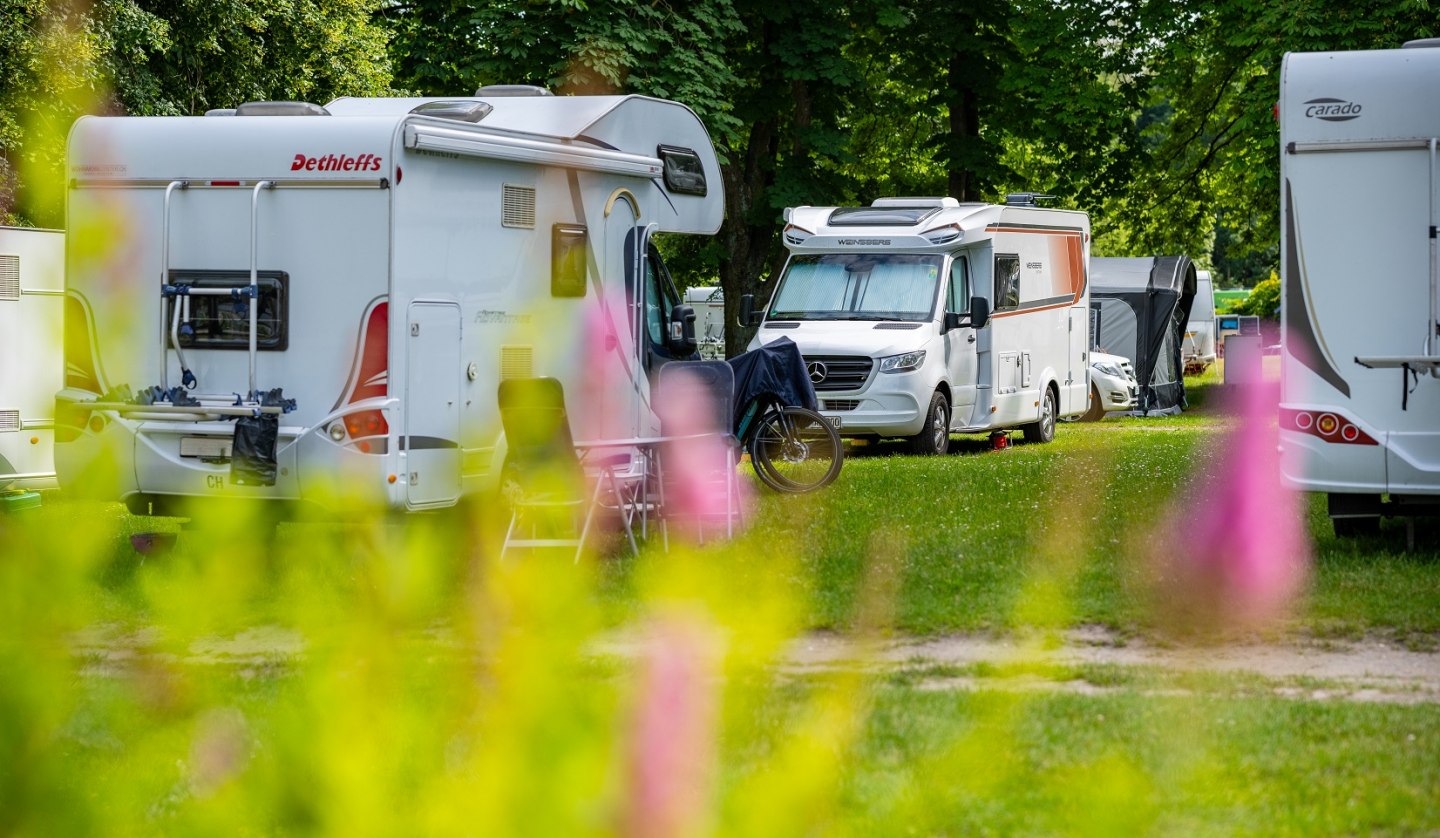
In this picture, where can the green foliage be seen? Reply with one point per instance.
(1264, 300)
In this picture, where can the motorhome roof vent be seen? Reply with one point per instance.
(1422, 43)
(220, 112)
(1026, 199)
(281, 109)
(512, 90)
(464, 110)
(943, 203)
(891, 216)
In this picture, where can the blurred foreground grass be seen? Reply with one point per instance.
(392, 677)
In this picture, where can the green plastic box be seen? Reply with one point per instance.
(19, 501)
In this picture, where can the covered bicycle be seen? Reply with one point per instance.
(791, 446)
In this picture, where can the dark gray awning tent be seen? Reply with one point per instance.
(1138, 309)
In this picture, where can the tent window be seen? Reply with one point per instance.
(1007, 281)
(567, 260)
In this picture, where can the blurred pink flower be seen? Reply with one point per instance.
(673, 738)
(1235, 554)
(700, 482)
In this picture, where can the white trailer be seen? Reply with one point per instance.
(919, 317)
(384, 261)
(32, 277)
(1199, 346)
(1361, 335)
(709, 305)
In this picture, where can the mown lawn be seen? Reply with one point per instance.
(393, 678)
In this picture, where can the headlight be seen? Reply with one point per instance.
(1108, 369)
(903, 363)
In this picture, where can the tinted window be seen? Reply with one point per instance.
(567, 260)
(1007, 281)
(683, 171)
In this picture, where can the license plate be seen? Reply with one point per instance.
(206, 447)
(835, 422)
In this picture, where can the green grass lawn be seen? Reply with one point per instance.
(393, 678)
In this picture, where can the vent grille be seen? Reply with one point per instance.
(9, 276)
(904, 327)
(9, 421)
(517, 362)
(838, 372)
(841, 404)
(518, 206)
(782, 325)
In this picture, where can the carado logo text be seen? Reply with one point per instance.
(334, 163)
(1332, 110)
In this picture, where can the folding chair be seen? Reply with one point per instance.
(700, 453)
(545, 478)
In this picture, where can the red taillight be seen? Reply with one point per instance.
(366, 423)
(1329, 426)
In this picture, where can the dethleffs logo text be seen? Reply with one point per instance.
(1332, 110)
(336, 163)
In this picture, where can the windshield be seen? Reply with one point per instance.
(858, 286)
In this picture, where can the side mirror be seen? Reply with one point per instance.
(748, 315)
(682, 340)
(952, 321)
(979, 312)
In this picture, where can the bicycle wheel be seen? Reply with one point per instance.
(795, 450)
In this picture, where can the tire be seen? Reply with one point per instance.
(934, 437)
(1043, 430)
(1096, 411)
(795, 450)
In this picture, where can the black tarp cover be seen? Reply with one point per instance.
(776, 369)
(1139, 308)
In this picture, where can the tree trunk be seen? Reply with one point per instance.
(964, 106)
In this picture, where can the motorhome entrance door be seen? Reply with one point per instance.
(432, 403)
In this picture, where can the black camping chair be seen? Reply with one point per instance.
(544, 476)
(695, 402)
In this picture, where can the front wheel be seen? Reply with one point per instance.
(934, 438)
(795, 450)
(1043, 429)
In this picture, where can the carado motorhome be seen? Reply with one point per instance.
(383, 263)
(919, 317)
(1359, 187)
(32, 276)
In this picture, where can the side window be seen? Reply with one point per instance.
(567, 260)
(1007, 281)
(957, 297)
(222, 321)
(659, 297)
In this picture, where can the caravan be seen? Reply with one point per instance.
(919, 317)
(31, 290)
(1360, 361)
(366, 273)
(1200, 329)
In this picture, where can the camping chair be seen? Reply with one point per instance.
(544, 476)
(699, 453)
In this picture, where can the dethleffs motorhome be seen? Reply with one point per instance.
(1361, 322)
(919, 317)
(382, 262)
(31, 289)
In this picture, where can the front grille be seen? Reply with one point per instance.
(838, 372)
(841, 404)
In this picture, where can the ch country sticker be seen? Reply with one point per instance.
(336, 163)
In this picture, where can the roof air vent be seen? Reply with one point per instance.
(942, 203)
(512, 90)
(1026, 199)
(220, 112)
(281, 109)
(1421, 43)
(464, 110)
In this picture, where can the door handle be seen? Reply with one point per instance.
(970, 338)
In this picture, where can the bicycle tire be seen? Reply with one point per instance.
(795, 450)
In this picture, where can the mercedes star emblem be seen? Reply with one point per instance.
(817, 372)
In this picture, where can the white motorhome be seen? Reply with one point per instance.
(709, 305)
(1199, 346)
(1361, 323)
(385, 263)
(919, 317)
(32, 277)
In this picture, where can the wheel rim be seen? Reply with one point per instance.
(1047, 418)
(938, 429)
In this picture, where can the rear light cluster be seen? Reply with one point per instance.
(367, 429)
(1329, 426)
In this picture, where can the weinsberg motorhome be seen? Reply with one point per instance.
(1361, 324)
(32, 277)
(919, 317)
(367, 272)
